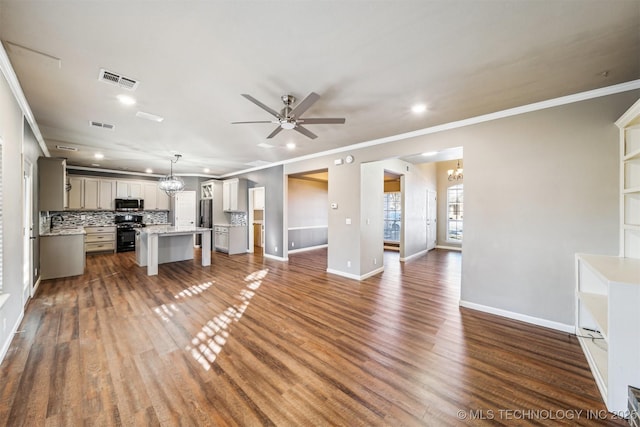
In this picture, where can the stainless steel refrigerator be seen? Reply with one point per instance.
(205, 218)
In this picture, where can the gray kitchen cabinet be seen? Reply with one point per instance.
(61, 256)
(52, 180)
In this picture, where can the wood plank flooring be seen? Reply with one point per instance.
(256, 342)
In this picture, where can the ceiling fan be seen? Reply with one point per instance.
(289, 116)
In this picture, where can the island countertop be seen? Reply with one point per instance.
(170, 229)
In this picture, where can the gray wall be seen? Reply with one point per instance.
(32, 151)
(272, 179)
(307, 211)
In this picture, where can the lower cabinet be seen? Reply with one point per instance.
(100, 239)
(62, 256)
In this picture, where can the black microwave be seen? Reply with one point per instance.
(129, 205)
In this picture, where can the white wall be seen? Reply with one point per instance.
(11, 131)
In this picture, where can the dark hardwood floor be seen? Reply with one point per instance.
(251, 341)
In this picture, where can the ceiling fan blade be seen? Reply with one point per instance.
(275, 132)
(305, 104)
(261, 105)
(305, 132)
(321, 121)
(261, 121)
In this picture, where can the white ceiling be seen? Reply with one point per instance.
(369, 61)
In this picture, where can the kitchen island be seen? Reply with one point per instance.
(165, 243)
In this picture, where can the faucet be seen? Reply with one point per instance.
(59, 220)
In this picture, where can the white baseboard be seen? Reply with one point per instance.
(9, 338)
(417, 254)
(449, 248)
(35, 287)
(355, 276)
(521, 317)
(310, 248)
(277, 258)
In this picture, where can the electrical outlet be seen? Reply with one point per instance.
(293, 244)
(348, 264)
(375, 261)
(275, 249)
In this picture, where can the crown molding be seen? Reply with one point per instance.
(16, 89)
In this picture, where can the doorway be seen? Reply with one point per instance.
(256, 220)
(432, 212)
(27, 231)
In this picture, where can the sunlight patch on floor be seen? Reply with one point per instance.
(193, 290)
(208, 342)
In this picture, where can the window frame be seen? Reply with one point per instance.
(455, 209)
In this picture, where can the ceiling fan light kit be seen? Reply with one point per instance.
(290, 118)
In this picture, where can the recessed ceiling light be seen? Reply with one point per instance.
(149, 170)
(291, 145)
(126, 99)
(419, 108)
(430, 153)
(149, 116)
(99, 156)
(206, 170)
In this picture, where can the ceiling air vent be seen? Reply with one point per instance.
(117, 79)
(101, 125)
(66, 148)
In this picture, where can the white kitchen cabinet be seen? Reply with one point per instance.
(53, 264)
(206, 190)
(128, 189)
(91, 196)
(106, 194)
(234, 195)
(100, 239)
(258, 198)
(52, 180)
(150, 196)
(75, 195)
(162, 200)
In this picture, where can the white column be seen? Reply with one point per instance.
(206, 248)
(152, 254)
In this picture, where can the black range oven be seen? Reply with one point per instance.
(126, 225)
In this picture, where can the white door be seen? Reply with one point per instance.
(27, 214)
(185, 209)
(432, 209)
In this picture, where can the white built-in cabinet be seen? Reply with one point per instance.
(75, 192)
(128, 189)
(206, 190)
(234, 195)
(258, 198)
(154, 198)
(608, 287)
(106, 194)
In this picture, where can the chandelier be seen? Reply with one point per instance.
(455, 175)
(172, 184)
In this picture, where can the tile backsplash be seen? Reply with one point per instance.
(97, 218)
(238, 218)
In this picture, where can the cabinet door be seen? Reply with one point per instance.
(226, 195)
(150, 196)
(162, 199)
(185, 209)
(74, 197)
(91, 192)
(52, 177)
(122, 189)
(135, 190)
(258, 198)
(107, 194)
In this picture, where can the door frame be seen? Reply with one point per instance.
(28, 290)
(432, 209)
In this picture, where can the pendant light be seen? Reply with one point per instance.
(172, 184)
(455, 175)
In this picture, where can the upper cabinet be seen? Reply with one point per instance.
(234, 195)
(629, 125)
(258, 198)
(128, 190)
(154, 198)
(90, 193)
(52, 179)
(206, 190)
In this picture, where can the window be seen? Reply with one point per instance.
(455, 209)
(392, 216)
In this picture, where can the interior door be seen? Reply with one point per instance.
(432, 209)
(185, 209)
